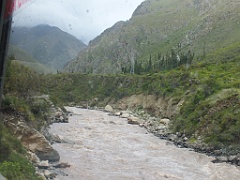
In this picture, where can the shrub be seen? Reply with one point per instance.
(18, 168)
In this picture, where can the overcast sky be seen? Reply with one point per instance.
(85, 19)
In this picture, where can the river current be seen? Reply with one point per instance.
(108, 148)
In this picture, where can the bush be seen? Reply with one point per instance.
(18, 168)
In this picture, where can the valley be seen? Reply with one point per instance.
(174, 65)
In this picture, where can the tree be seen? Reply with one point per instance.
(149, 65)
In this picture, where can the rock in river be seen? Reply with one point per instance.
(108, 108)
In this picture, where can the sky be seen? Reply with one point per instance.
(85, 19)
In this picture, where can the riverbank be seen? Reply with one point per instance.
(161, 127)
(30, 141)
(110, 147)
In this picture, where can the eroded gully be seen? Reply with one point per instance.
(107, 148)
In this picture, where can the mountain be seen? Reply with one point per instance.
(25, 59)
(157, 27)
(49, 45)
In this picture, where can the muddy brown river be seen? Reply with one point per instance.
(107, 148)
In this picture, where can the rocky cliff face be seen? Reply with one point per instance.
(157, 26)
(48, 45)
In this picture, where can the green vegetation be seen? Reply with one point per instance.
(21, 87)
(13, 163)
(212, 108)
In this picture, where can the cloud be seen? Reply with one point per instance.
(83, 19)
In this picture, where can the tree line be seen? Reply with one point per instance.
(169, 61)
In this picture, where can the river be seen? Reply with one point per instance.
(108, 148)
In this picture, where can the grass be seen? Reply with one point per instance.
(13, 163)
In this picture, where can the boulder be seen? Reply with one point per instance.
(165, 121)
(62, 165)
(124, 115)
(118, 114)
(172, 137)
(49, 175)
(233, 158)
(160, 127)
(56, 138)
(221, 159)
(133, 120)
(51, 155)
(43, 165)
(61, 119)
(33, 141)
(58, 114)
(108, 108)
(60, 139)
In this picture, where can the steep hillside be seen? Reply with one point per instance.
(27, 60)
(48, 45)
(157, 27)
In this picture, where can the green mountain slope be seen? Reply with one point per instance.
(25, 59)
(158, 26)
(48, 45)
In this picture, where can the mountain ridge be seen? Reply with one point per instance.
(49, 45)
(158, 27)
(27, 60)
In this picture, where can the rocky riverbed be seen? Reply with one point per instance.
(97, 145)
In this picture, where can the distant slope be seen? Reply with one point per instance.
(48, 45)
(27, 60)
(157, 26)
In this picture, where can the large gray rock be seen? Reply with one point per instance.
(221, 159)
(124, 115)
(43, 165)
(62, 165)
(49, 175)
(117, 113)
(172, 137)
(33, 141)
(165, 121)
(134, 120)
(108, 108)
